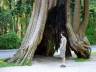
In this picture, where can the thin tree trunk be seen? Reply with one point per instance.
(84, 24)
(76, 17)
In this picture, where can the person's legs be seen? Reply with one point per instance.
(63, 62)
(62, 51)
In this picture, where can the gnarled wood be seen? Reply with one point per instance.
(79, 44)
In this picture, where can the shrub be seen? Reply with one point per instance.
(9, 41)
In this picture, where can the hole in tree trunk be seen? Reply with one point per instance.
(55, 24)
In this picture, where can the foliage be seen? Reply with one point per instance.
(5, 20)
(91, 31)
(9, 41)
(14, 17)
(14, 13)
(4, 17)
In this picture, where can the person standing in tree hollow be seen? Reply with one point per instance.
(63, 49)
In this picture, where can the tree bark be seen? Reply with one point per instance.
(79, 43)
(76, 17)
(84, 24)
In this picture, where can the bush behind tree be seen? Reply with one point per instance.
(9, 41)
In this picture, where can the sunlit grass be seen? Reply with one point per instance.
(84, 60)
(81, 60)
(5, 64)
(93, 53)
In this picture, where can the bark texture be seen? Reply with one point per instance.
(78, 41)
(33, 35)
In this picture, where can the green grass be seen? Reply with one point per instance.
(93, 53)
(84, 60)
(81, 60)
(5, 64)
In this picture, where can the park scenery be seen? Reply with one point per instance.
(48, 35)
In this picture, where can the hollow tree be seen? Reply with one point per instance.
(42, 32)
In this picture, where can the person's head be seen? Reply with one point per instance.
(62, 34)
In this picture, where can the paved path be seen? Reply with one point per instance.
(47, 64)
(7, 53)
(10, 53)
(52, 64)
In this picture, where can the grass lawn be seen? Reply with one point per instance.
(5, 64)
(84, 60)
(81, 60)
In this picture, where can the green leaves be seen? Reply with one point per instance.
(5, 17)
(91, 31)
(9, 41)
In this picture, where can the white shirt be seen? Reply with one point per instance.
(63, 46)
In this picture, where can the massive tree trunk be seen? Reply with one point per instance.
(55, 24)
(33, 35)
